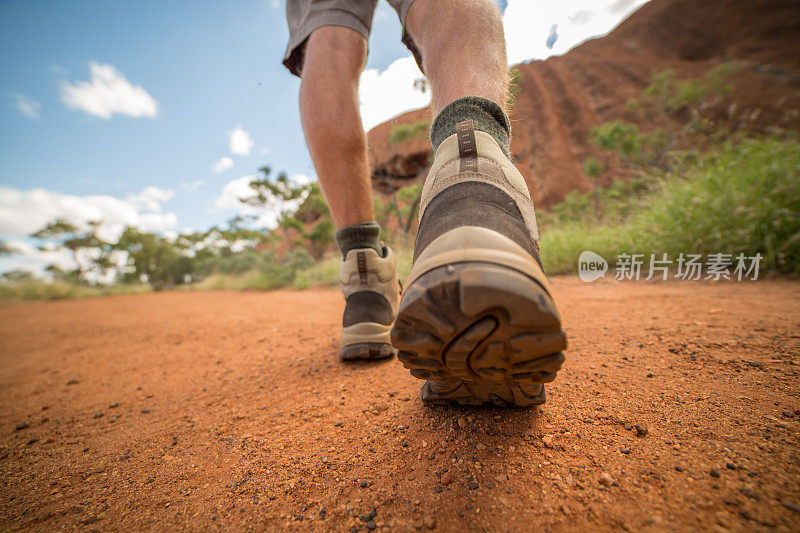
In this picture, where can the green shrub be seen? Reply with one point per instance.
(313, 207)
(741, 198)
(401, 133)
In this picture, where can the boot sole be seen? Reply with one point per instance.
(481, 334)
(366, 351)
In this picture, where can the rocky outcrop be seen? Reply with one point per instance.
(561, 98)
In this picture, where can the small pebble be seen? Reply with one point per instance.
(606, 480)
(626, 451)
(98, 414)
(21, 426)
(472, 485)
(714, 472)
(751, 493)
(446, 478)
(641, 430)
(462, 423)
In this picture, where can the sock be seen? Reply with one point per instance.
(487, 116)
(363, 235)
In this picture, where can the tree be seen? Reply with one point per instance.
(154, 258)
(297, 207)
(86, 246)
(279, 195)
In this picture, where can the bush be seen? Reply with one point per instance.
(405, 132)
(741, 198)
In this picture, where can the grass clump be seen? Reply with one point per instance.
(43, 290)
(743, 197)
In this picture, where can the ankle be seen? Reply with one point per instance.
(487, 116)
(362, 235)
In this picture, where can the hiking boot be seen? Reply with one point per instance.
(370, 285)
(477, 319)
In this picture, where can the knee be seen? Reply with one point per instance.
(341, 51)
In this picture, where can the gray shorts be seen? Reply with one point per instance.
(305, 16)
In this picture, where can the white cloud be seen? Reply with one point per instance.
(32, 259)
(240, 142)
(222, 164)
(622, 5)
(274, 4)
(108, 92)
(28, 106)
(23, 212)
(267, 216)
(301, 179)
(388, 93)
(151, 197)
(528, 23)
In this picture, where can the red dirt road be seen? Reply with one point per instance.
(218, 410)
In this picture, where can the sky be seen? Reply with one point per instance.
(158, 114)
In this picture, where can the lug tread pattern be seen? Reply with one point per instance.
(481, 334)
(367, 351)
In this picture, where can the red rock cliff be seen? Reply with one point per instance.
(561, 98)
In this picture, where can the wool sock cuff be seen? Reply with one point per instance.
(363, 235)
(486, 115)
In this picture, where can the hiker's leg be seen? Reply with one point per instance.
(476, 302)
(334, 59)
(462, 47)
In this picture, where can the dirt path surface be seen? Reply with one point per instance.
(678, 408)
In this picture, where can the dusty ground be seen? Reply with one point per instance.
(191, 410)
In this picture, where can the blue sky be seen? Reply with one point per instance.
(190, 74)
